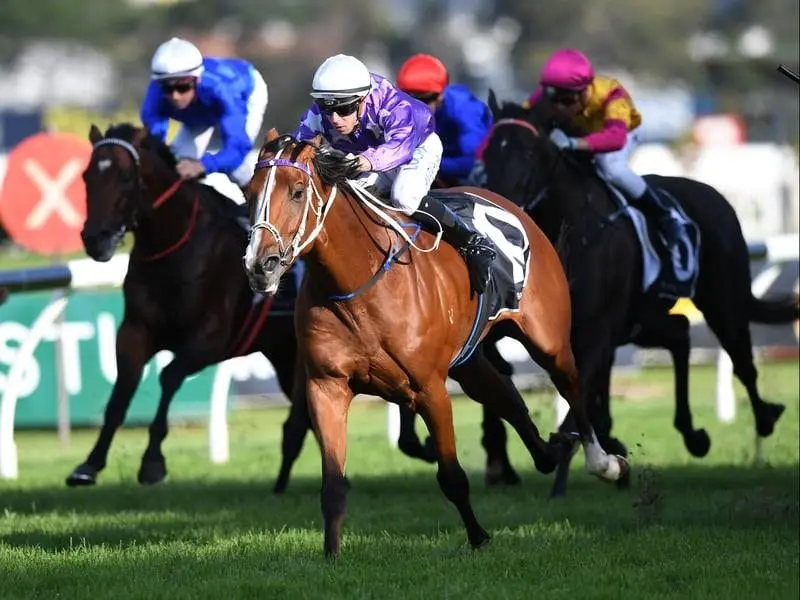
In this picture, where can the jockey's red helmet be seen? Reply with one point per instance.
(422, 74)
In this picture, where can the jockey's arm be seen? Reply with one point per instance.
(235, 141)
(151, 114)
(398, 147)
(614, 134)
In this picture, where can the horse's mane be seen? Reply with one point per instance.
(332, 166)
(129, 132)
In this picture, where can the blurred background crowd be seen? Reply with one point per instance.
(701, 71)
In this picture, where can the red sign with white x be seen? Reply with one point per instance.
(43, 199)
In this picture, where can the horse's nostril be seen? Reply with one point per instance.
(271, 264)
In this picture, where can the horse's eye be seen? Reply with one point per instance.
(297, 195)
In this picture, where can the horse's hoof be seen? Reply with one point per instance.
(697, 443)
(562, 447)
(152, 472)
(424, 452)
(617, 469)
(624, 467)
(429, 451)
(501, 474)
(613, 446)
(481, 540)
(84, 475)
(767, 417)
(279, 487)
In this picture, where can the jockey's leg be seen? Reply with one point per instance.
(409, 192)
(615, 168)
(256, 107)
(474, 247)
(191, 142)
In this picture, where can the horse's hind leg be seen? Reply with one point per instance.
(494, 439)
(729, 322)
(552, 350)
(672, 332)
(601, 418)
(134, 348)
(408, 442)
(436, 409)
(481, 382)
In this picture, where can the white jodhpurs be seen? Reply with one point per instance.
(193, 143)
(409, 183)
(614, 167)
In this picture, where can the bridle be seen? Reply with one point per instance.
(314, 203)
(162, 198)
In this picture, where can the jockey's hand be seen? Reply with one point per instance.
(363, 164)
(189, 168)
(562, 140)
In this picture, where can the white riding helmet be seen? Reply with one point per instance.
(341, 76)
(176, 58)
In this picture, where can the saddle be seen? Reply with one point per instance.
(670, 240)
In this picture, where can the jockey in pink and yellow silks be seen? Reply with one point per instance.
(603, 111)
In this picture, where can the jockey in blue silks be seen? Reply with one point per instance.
(392, 136)
(462, 120)
(219, 101)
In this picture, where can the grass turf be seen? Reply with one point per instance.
(687, 528)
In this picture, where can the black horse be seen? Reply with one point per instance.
(185, 291)
(603, 259)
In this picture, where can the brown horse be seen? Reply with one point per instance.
(181, 293)
(395, 331)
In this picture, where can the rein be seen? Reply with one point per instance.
(604, 219)
(166, 195)
(289, 252)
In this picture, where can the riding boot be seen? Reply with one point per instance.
(478, 252)
(672, 230)
(654, 208)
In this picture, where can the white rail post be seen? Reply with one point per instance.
(726, 398)
(218, 436)
(9, 468)
(393, 423)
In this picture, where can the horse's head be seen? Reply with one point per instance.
(290, 194)
(114, 185)
(518, 157)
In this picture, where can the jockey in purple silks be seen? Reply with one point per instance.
(392, 136)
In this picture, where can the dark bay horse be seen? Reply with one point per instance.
(181, 293)
(397, 337)
(604, 265)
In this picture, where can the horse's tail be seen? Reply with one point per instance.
(774, 311)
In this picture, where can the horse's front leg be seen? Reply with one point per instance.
(328, 402)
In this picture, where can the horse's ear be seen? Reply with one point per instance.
(95, 135)
(317, 142)
(140, 136)
(270, 136)
(493, 105)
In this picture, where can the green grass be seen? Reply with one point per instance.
(687, 528)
